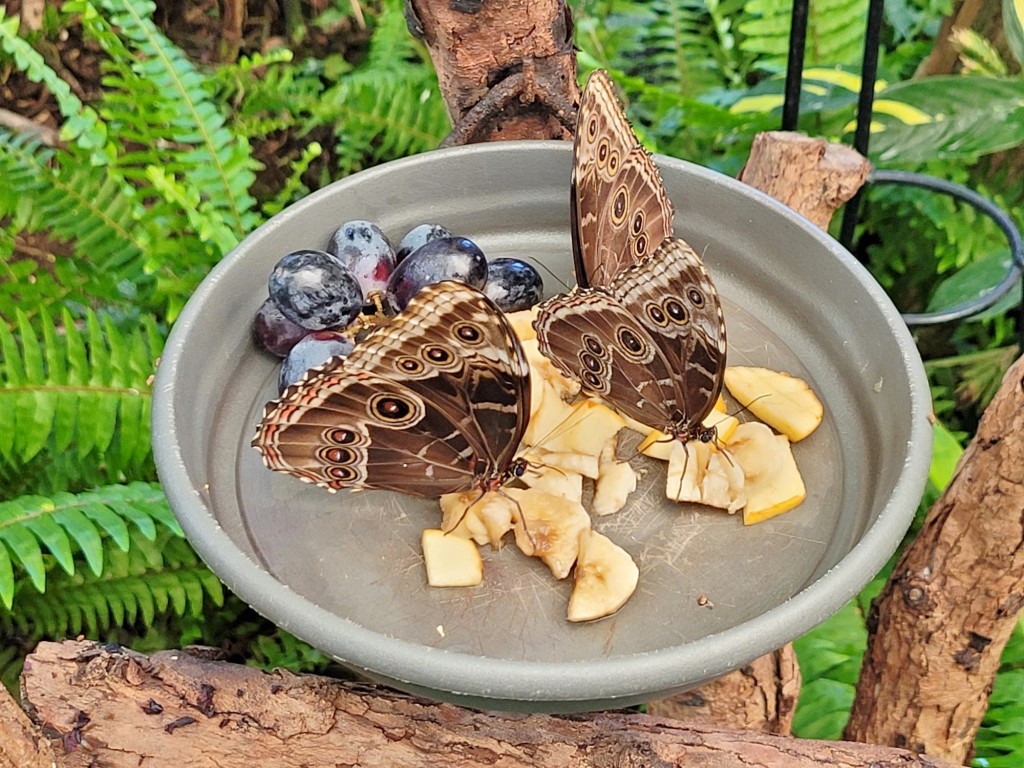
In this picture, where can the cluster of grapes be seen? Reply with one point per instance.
(317, 297)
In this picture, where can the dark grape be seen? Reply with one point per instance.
(419, 236)
(448, 258)
(364, 248)
(313, 349)
(513, 284)
(275, 332)
(315, 290)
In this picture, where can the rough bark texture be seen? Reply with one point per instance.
(115, 708)
(809, 175)
(761, 696)
(506, 70)
(938, 629)
(21, 745)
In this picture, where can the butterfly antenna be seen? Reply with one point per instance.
(560, 428)
(746, 408)
(557, 279)
(521, 517)
(466, 511)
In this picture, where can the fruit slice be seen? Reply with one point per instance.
(615, 481)
(522, 322)
(580, 463)
(605, 578)
(451, 561)
(586, 430)
(549, 527)
(700, 473)
(484, 519)
(771, 478)
(782, 401)
(568, 485)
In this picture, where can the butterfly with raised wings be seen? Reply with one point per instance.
(644, 329)
(435, 402)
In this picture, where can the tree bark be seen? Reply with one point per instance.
(506, 70)
(111, 707)
(811, 176)
(938, 629)
(761, 696)
(21, 744)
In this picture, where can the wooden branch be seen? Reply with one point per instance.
(115, 708)
(938, 629)
(506, 70)
(811, 176)
(761, 696)
(21, 744)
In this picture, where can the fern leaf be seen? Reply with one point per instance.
(835, 31)
(90, 208)
(68, 522)
(86, 393)
(82, 124)
(205, 154)
(152, 578)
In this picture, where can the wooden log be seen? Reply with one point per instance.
(172, 709)
(812, 176)
(506, 70)
(761, 697)
(938, 629)
(21, 744)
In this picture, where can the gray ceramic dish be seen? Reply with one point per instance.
(344, 571)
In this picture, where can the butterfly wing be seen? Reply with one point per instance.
(652, 343)
(429, 404)
(673, 297)
(618, 205)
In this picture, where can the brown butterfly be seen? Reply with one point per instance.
(648, 335)
(434, 402)
(618, 207)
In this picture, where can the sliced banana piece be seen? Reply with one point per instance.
(549, 527)
(772, 480)
(452, 561)
(780, 400)
(605, 578)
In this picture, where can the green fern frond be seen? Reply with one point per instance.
(835, 31)
(150, 579)
(162, 106)
(83, 391)
(217, 163)
(82, 125)
(88, 522)
(47, 190)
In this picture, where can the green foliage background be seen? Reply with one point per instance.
(104, 237)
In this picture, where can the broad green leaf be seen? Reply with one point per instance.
(946, 452)
(969, 117)
(975, 280)
(823, 709)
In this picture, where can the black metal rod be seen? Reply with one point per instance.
(795, 65)
(985, 206)
(865, 108)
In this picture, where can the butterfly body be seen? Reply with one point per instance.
(434, 402)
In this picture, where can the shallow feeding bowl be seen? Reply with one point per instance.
(344, 571)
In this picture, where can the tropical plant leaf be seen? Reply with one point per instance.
(82, 392)
(92, 523)
(1013, 28)
(151, 578)
(954, 117)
